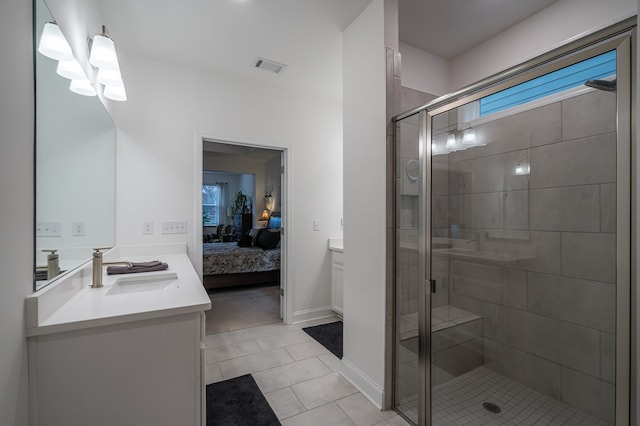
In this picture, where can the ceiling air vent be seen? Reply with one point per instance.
(267, 65)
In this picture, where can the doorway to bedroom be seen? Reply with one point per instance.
(242, 207)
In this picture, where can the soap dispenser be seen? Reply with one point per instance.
(53, 267)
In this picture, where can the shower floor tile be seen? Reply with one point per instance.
(459, 402)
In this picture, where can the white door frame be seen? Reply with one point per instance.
(285, 257)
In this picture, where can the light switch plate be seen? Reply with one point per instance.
(78, 229)
(147, 228)
(48, 229)
(174, 227)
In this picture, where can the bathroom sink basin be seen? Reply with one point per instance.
(142, 283)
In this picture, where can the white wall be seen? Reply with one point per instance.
(364, 157)
(547, 29)
(169, 104)
(424, 71)
(16, 207)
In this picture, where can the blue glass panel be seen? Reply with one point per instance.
(575, 75)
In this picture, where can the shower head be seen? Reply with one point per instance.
(606, 85)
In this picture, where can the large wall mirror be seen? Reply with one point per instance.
(75, 169)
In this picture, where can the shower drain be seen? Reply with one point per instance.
(491, 407)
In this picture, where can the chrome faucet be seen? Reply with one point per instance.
(98, 264)
(53, 267)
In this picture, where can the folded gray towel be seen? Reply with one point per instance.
(154, 265)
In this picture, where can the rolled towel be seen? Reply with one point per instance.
(154, 265)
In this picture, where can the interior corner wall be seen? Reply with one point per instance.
(424, 71)
(169, 104)
(540, 33)
(16, 209)
(364, 147)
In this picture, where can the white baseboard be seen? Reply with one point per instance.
(312, 314)
(363, 383)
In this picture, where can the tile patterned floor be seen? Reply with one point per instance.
(298, 376)
(459, 402)
(243, 307)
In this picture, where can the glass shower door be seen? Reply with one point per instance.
(410, 202)
(528, 237)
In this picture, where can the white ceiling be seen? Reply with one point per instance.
(306, 35)
(228, 35)
(448, 28)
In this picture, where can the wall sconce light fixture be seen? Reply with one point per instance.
(53, 44)
(103, 56)
(71, 70)
(82, 87)
(461, 140)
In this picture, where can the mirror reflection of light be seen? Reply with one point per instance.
(451, 142)
(82, 87)
(469, 137)
(523, 167)
(70, 69)
(53, 44)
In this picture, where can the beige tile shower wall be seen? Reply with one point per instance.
(548, 311)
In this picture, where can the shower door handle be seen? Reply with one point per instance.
(432, 285)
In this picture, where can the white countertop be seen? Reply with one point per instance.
(336, 244)
(71, 304)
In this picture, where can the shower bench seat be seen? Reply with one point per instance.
(442, 318)
(456, 345)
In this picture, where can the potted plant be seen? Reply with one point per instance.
(239, 203)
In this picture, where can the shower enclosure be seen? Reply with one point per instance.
(512, 245)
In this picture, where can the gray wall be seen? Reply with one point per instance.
(16, 207)
(548, 307)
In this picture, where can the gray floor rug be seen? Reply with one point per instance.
(328, 335)
(238, 402)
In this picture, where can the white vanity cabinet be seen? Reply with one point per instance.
(147, 372)
(102, 358)
(337, 271)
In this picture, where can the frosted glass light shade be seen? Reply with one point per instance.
(82, 87)
(109, 77)
(103, 53)
(469, 137)
(71, 70)
(53, 44)
(115, 93)
(451, 141)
